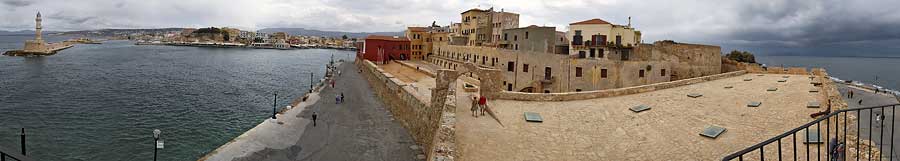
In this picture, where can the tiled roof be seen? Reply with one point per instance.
(591, 21)
(388, 38)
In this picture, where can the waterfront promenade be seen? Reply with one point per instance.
(361, 128)
(871, 99)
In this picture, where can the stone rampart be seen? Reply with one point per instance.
(731, 65)
(568, 96)
(415, 114)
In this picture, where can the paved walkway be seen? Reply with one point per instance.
(361, 128)
(871, 99)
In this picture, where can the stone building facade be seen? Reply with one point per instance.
(532, 38)
(529, 71)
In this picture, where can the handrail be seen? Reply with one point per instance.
(4, 153)
(795, 130)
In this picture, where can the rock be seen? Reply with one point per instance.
(414, 147)
(420, 157)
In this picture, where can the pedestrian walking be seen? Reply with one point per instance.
(332, 83)
(314, 116)
(482, 103)
(342, 97)
(878, 118)
(337, 99)
(475, 106)
(851, 93)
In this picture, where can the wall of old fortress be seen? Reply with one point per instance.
(687, 60)
(432, 128)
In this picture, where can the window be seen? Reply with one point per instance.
(505, 37)
(662, 72)
(509, 87)
(546, 91)
(581, 54)
(592, 52)
(547, 73)
(526, 35)
(525, 68)
(515, 37)
(641, 73)
(510, 66)
(577, 71)
(603, 73)
(600, 53)
(577, 90)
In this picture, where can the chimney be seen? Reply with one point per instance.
(629, 21)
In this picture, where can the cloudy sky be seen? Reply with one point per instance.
(837, 27)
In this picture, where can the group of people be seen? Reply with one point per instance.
(479, 103)
(850, 96)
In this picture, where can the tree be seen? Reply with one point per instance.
(344, 37)
(741, 56)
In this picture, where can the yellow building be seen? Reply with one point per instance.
(596, 38)
(484, 27)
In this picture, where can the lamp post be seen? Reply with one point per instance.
(23, 141)
(274, 106)
(156, 133)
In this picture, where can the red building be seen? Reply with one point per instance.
(383, 48)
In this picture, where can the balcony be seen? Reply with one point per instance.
(548, 80)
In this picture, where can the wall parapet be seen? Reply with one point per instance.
(569, 96)
(732, 65)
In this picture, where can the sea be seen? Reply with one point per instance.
(101, 102)
(879, 72)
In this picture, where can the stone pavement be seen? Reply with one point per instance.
(871, 99)
(361, 128)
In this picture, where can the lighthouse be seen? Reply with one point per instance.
(37, 28)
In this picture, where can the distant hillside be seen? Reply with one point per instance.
(23, 32)
(307, 32)
(116, 32)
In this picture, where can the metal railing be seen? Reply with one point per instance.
(835, 138)
(9, 154)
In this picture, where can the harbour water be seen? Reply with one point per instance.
(861, 69)
(102, 102)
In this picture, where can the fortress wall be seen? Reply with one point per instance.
(414, 114)
(568, 96)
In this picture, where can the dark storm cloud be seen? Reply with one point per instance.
(815, 23)
(16, 3)
(70, 18)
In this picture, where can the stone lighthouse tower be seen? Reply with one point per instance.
(37, 28)
(36, 45)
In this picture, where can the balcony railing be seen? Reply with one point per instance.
(835, 138)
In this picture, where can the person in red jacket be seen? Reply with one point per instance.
(482, 102)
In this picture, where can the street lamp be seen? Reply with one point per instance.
(274, 106)
(156, 133)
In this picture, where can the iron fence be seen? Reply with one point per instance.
(834, 144)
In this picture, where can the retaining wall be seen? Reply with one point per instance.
(415, 114)
(568, 96)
